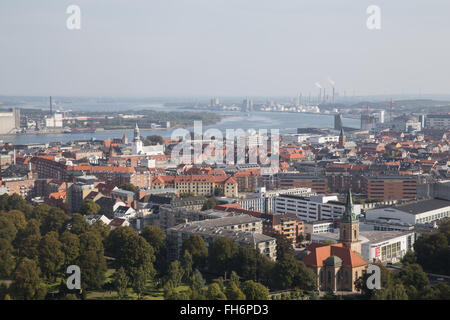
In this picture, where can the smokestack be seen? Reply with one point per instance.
(320, 91)
(51, 105)
(332, 83)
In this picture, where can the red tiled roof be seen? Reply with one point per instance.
(319, 253)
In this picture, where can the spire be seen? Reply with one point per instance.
(137, 134)
(349, 214)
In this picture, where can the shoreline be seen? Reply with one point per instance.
(224, 116)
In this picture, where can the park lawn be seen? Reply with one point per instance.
(151, 292)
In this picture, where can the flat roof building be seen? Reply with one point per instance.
(417, 212)
(242, 229)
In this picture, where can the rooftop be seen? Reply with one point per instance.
(419, 207)
(380, 236)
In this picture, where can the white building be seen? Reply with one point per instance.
(377, 246)
(418, 212)
(139, 148)
(91, 219)
(313, 208)
(438, 121)
(323, 139)
(321, 226)
(125, 212)
(263, 201)
(56, 121)
(386, 246)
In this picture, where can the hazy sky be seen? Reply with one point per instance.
(223, 47)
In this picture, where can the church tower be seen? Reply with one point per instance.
(349, 227)
(342, 138)
(137, 142)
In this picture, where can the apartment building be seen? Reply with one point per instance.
(199, 185)
(321, 226)
(263, 200)
(243, 229)
(286, 224)
(312, 208)
(294, 180)
(391, 187)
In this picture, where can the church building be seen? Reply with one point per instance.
(138, 147)
(338, 266)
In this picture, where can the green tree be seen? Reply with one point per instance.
(413, 276)
(214, 292)
(91, 261)
(101, 228)
(234, 278)
(40, 212)
(254, 290)
(27, 284)
(153, 140)
(55, 220)
(7, 259)
(120, 283)
(197, 281)
(138, 282)
(285, 271)
(442, 291)
(196, 246)
(155, 236)
(221, 255)
(89, 207)
(305, 278)
(78, 224)
(433, 251)
(51, 256)
(234, 293)
(129, 187)
(284, 245)
(27, 241)
(394, 291)
(209, 204)
(70, 246)
(409, 258)
(131, 252)
(17, 218)
(247, 262)
(7, 229)
(175, 273)
(16, 202)
(186, 263)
